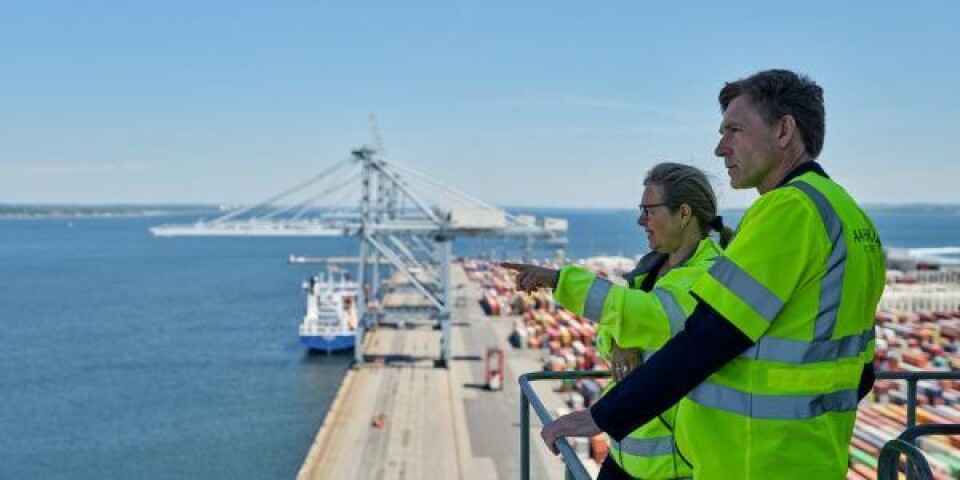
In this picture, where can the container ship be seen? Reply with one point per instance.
(330, 321)
(918, 329)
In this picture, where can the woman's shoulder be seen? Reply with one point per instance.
(707, 252)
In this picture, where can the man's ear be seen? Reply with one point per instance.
(786, 129)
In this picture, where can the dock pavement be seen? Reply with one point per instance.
(398, 416)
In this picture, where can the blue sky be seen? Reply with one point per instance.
(528, 103)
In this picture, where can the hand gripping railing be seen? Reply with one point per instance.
(528, 397)
(889, 456)
(917, 466)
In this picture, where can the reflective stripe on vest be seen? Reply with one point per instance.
(747, 288)
(822, 348)
(832, 283)
(600, 288)
(593, 305)
(644, 447)
(800, 352)
(773, 407)
(673, 309)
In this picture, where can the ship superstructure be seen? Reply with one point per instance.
(330, 321)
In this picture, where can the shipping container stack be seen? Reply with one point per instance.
(567, 341)
(918, 329)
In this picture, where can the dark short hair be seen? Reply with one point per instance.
(777, 93)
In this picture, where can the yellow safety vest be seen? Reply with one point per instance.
(640, 320)
(802, 279)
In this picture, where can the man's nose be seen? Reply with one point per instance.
(722, 149)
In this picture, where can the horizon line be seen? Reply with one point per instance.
(506, 207)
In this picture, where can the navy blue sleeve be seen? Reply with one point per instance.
(705, 345)
(867, 377)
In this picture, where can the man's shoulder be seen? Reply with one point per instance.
(785, 200)
(783, 219)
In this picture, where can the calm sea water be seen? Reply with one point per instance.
(129, 356)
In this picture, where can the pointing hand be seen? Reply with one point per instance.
(532, 277)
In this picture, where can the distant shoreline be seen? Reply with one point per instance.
(26, 212)
(66, 211)
(71, 216)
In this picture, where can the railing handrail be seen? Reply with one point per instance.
(911, 434)
(889, 461)
(888, 465)
(528, 398)
(576, 469)
(912, 378)
(921, 375)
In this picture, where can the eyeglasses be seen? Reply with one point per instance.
(645, 209)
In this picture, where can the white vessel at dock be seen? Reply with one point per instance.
(330, 321)
(929, 258)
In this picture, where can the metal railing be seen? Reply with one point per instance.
(917, 467)
(528, 398)
(912, 378)
(887, 468)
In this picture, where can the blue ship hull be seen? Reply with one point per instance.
(328, 344)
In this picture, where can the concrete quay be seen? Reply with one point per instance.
(398, 416)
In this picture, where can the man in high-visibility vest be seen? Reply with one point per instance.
(779, 349)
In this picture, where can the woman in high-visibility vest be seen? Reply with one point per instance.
(678, 211)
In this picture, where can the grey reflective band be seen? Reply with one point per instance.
(832, 284)
(747, 288)
(800, 352)
(672, 307)
(822, 348)
(644, 447)
(593, 305)
(773, 407)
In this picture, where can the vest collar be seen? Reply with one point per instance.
(811, 166)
